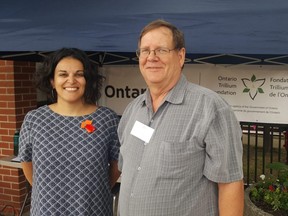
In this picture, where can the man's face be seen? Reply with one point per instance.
(158, 68)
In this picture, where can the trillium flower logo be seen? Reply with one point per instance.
(253, 86)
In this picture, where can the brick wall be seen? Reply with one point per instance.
(17, 97)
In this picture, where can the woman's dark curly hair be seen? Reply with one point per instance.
(45, 74)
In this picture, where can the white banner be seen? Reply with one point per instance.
(124, 83)
(255, 93)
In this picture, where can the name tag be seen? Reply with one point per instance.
(142, 131)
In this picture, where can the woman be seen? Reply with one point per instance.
(69, 149)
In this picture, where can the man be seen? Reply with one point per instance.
(181, 150)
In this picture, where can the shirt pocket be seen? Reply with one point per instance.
(179, 159)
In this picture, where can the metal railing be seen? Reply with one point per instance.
(263, 143)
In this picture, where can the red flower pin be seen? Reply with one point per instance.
(87, 124)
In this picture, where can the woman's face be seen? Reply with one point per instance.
(69, 81)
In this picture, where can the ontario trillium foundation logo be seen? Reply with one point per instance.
(253, 86)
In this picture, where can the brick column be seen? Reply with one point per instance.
(17, 97)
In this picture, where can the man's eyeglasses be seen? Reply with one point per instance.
(144, 52)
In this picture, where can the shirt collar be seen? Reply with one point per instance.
(175, 95)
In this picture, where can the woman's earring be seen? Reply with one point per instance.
(53, 95)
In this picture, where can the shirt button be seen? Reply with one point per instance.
(131, 194)
(139, 168)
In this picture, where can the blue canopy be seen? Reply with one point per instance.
(29, 29)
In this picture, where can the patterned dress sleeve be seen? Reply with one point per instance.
(25, 143)
(114, 141)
